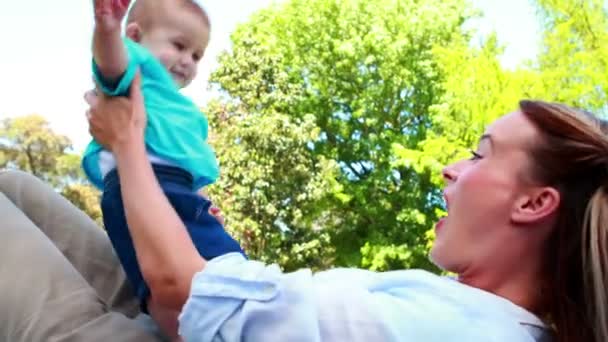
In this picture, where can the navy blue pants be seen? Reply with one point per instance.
(208, 235)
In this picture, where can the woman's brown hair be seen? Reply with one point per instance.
(572, 156)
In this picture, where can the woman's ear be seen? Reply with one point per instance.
(133, 31)
(536, 205)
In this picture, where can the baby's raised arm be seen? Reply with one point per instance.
(109, 52)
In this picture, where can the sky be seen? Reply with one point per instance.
(46, 52)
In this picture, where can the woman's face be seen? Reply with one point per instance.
(481, 195)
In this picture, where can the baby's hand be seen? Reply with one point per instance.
(109, 13)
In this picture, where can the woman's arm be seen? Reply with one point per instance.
(165, 252)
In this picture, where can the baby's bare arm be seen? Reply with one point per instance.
(109, 52)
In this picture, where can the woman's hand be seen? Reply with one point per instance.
(165, 252)
(117, 121)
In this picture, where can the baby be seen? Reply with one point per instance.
(165, 40)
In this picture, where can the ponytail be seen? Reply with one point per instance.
(571, 154)
(595, 262)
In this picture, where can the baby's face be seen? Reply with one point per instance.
(179, 43)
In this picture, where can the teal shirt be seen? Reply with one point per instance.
(176, 129)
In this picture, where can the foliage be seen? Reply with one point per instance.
(28, 143)
(574, 62)
(396, 90)
(335, 118)
(85, 197)
(367, 73)
(273, 190)
(571, 69)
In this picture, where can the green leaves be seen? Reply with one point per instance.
(340, 114)
(274, 191)
(574, 64)
(28, 143)
(336, 117)
(361, 75)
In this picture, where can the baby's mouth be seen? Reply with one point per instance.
(178, 75)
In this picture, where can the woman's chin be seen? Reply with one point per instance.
(435, 254)
(441, 257)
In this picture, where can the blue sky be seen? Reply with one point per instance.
(45, 60)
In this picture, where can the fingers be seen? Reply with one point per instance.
(92, 124)
(135, 91)
(91, 98)
(120, 6)
(96, 129)
(136, 96)
(102, 6)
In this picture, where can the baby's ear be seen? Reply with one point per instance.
(134, 32)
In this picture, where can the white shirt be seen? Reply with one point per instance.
(107, 162)
(234, 299)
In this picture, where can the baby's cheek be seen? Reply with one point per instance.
(165, 58)
(193, 72)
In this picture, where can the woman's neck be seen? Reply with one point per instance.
(519, 283)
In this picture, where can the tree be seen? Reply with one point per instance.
(86, 198)
(336, 117)
(368, 74)
(28, 143)
(570, 69)
(574, 59)
(273, 190)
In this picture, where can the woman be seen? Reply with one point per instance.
(526, 233)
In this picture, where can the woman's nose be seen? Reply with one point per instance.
(449, 173)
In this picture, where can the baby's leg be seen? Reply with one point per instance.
(115, 223)
(207, 233)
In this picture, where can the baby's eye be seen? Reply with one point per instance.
(179, 46)
(197, 57)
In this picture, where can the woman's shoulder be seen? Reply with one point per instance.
(419, 304)
(374, 281)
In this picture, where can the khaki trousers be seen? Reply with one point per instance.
(59, 277)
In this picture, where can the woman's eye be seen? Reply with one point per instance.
(475, 155)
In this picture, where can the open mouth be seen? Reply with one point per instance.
(178, 75)
(439, 224)
(442, 219)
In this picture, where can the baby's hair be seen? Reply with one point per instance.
(147, 12)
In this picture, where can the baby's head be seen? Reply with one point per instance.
(175, 31)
